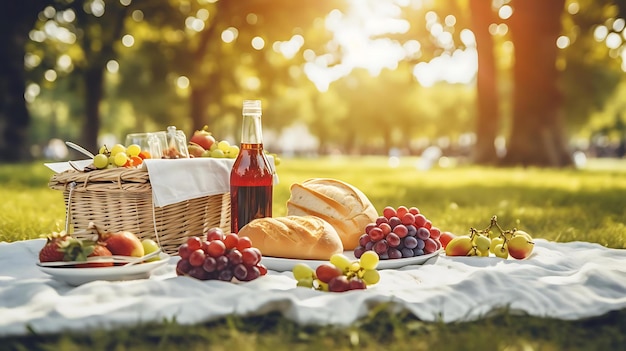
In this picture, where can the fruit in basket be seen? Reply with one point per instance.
(100, 161)
(123, 243)
(203, 138)
(195, 150)
(339, 274)
(217, 256)
(399, 233)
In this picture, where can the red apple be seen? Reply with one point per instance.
(203, 138)
(123, 243)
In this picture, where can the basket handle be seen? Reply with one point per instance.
(69, 207)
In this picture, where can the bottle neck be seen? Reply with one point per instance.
(251, 132)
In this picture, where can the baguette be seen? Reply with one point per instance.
(342, 205)
(299, 237)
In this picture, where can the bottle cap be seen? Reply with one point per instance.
(252, 107)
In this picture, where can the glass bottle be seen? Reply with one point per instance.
(251, 178)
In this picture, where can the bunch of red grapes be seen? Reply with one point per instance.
(220, 257)
(399, 233)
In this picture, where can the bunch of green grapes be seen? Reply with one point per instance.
(340, 273)
(514, 243)
(119, 156)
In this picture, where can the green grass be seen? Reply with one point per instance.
(560, 205)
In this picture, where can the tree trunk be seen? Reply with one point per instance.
(537, 134)
(16, 20)
(484, 151)
(94, 81)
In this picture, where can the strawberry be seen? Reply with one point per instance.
(96, 250)
(55, 247)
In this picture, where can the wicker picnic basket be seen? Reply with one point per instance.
(121, 199)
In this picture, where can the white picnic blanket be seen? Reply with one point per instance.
(560, 280)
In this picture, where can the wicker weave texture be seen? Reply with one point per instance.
(121, 199)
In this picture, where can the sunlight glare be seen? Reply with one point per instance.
(600, 33)
(505, 12)
(112, 66)
(468, 38)
(182, 82)
(562, 42)
(619, 24)
(64, 62)
(32, 91)
(258, 43)
(613, 40)
(68, 16)
(31, 60)
(128, 40)
(573, 8)
(97, 8)
(50, 75)
(137, 15)
(230, 34)
(49, 12)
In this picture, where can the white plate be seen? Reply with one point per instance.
(286, 264)
(78, 276)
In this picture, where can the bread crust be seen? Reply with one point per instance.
(342, 205)
(297, 237)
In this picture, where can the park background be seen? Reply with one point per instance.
(488, 82)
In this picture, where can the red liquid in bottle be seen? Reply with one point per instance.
(251, 186)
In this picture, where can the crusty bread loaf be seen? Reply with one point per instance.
(342, 205)
(301, 237)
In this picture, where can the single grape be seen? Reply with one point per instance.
(394, 253)
(194, 243)
(120, 159)
(253, 273)
(262, 269)
(196, 258)
(420, 220)
(221, 263)
(376, 234)
(394, 221)
(407, 218)
(381, 246)
(435, 233)
(301, 271)
(406, 252)
(364, 239)
(410, 242)
(418, 252)
(393, 240)
(371, 276)
(369, 227)
(150, 246)
(100, 161)
(230, 240)
(358, 251)
(401, 230)
(133, 150)
(411, 230)
(183, 251)
(414, 210)
(234, 256)
(385, 227)
(520, 247)
(381, 219)
(482, 243)
(501, 251)
(183, 266)
(243, 243)
(369, 246)
(225, 275)
(389, 212)
(223, 145)
(214, 234)
(495, 242)
(428, 225)
(240, 272)
(356, 284)
(369, 260)
(339, 284)
(216, 248)
(423, 233)
(326, 271)
(355, 267)
(401, 211)
(420, 244)
(430, 245)
(251, 256)
(340, 261)
(117, 148)
(210, 264)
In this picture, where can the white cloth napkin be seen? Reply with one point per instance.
(560, 280)
(178, 180)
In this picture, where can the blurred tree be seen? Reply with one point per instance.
(16, 20)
